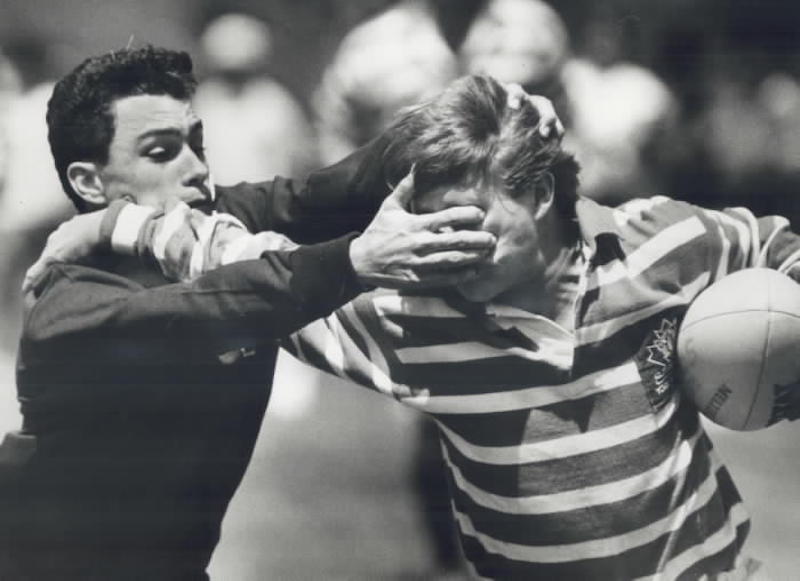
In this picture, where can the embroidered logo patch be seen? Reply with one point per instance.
(656, 361)
(787, 403)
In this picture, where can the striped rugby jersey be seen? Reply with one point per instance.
(572, 455)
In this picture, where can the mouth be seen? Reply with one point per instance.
(206, 196)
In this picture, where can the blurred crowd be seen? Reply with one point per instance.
(696, 99)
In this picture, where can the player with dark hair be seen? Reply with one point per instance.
(141, 402)
(572, 453)
(81, 117)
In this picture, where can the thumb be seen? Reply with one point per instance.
(404, 192)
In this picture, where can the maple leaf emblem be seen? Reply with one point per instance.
(660, 352)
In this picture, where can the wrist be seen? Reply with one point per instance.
(358, 263)
(122, 225)
(108, 222)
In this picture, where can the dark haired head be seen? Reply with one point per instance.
(469, 133)
(80, 117)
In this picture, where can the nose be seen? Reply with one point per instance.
(197, 172)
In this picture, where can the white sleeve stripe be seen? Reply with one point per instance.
(767, 246)
(752, 226)
(375, 360)
(197, 262)
(595, 332)
(171, 223)
(330, 340)
(723, 267)
(126, 230)
(649, 252)
(745, 244)
(233, 250)
(793, 261)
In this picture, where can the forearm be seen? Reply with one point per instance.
(333, 201)
(233, 307)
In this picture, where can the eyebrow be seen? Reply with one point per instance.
(169, 131)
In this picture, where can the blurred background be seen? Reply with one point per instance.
(699, 99)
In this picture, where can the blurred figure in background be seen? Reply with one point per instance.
(253, 125)
(621, 112)
(254, 129)
(618, 112)
(414, 48)
(752, 138)
(10, 88)
(31, 200)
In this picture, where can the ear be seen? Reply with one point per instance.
(84, 176)
(545, 193)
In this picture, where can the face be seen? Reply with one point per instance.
(516, 260)
(156, 153)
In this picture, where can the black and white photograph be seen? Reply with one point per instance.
(402, 290)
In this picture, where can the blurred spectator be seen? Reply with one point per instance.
(413, 49)
(10, 87)
(254, 128)
(392, 60)
(751, 138)
(32, 202)
(617, 112)
(621, 114)
(519, 41)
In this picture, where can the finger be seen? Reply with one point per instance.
(455, 217)
(515, 93)
(456, 240)
(404, 191)
(549, 122)
(449, 260)
(32, 275)
(439, 279)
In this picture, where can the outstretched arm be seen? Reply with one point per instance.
(397, 249)
(336, 200)
(79, 308)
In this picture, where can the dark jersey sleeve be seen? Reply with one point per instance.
(233, 307)
(333, 201)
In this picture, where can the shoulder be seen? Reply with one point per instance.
(69, 293)
(642, 220)
(676, 222)
(245, 200)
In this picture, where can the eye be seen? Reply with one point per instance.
(161, 153)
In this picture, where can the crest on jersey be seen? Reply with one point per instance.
(656, 361)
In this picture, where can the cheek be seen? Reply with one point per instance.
(516, 237)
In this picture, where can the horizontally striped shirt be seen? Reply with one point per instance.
(572, 455)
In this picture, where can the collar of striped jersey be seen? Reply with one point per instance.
(597, 224)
